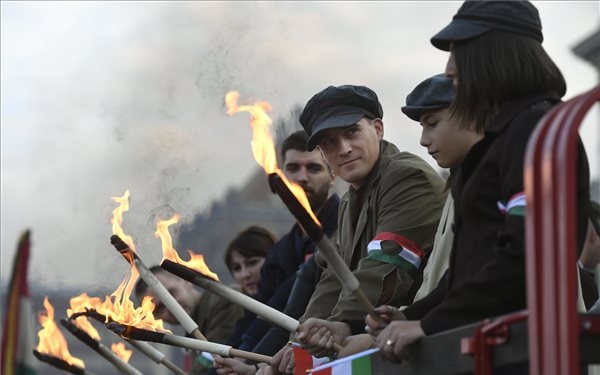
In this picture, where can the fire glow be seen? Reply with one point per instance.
(119, 306)
(52, 342)
(120, 350)
(263, 147)
(196, 261)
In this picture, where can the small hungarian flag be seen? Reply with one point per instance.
(392, 248)
(304, 361)
(515, 206)
(356, 364)
(18, 333)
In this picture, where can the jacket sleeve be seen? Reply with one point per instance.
(301, 292)
(499, 286)
(221, 319)
(324, 297)
(408, 204)
(260, 327)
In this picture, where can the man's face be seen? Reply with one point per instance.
(180, 289)
(352, 151)
(309, 170)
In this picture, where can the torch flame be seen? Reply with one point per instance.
(119, 306)
(122, 309)
(79, 304)
(52, 342)
(120, 350)
(196, 261)
(263, 147)
(117, 219)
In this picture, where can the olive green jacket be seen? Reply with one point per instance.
(404, 196)
(216, 319)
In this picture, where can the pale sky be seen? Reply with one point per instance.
(100, 97)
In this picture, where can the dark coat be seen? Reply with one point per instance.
(486, 277)
(279, 271)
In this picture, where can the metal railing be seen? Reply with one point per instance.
(550, 185)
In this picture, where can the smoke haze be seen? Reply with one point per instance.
(101, 97)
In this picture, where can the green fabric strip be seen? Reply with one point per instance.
(396, 260)
(202, 360)
(362, 365)
(517, 211)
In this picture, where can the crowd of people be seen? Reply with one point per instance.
(430, 254)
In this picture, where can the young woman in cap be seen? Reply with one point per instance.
(505, 82)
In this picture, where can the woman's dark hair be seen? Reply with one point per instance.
(251, 242)
(496, 67)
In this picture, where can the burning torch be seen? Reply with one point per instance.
(175, 308)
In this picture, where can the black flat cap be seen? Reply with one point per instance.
(476, 17)
(432, 94)
(338, 107)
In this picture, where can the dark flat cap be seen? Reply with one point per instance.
(476, 17)
(338, 107)
(430, 95)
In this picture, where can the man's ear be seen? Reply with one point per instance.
(378, 125)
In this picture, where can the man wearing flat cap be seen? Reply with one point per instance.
(387, 219)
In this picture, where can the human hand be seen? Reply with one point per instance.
(282, 362)
(387, 313)
(233, 366)
(266, 370)
(396, 336)
(317, 335)
(356, 343)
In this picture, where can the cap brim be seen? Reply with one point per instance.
(415, 112)
(338, 121)
(457, 30)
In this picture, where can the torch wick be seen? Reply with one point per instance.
(118, 243)
(116, 327)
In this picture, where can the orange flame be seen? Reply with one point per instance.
(119, 306)
(120, 350)
(52, 342)
(79, 304)
(196, 261)
(117, 219)
(263, 147)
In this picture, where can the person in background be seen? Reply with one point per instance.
(278, 275)
(505, 82)
(244, 257)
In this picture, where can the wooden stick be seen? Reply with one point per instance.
(155, 355)
(206, 346)
(122, 366)
(184, 342)
(266, 312)
(315, 233)
(175, 308)
(148, 350)
(61, 364)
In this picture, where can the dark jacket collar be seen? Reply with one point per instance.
(514, 107)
